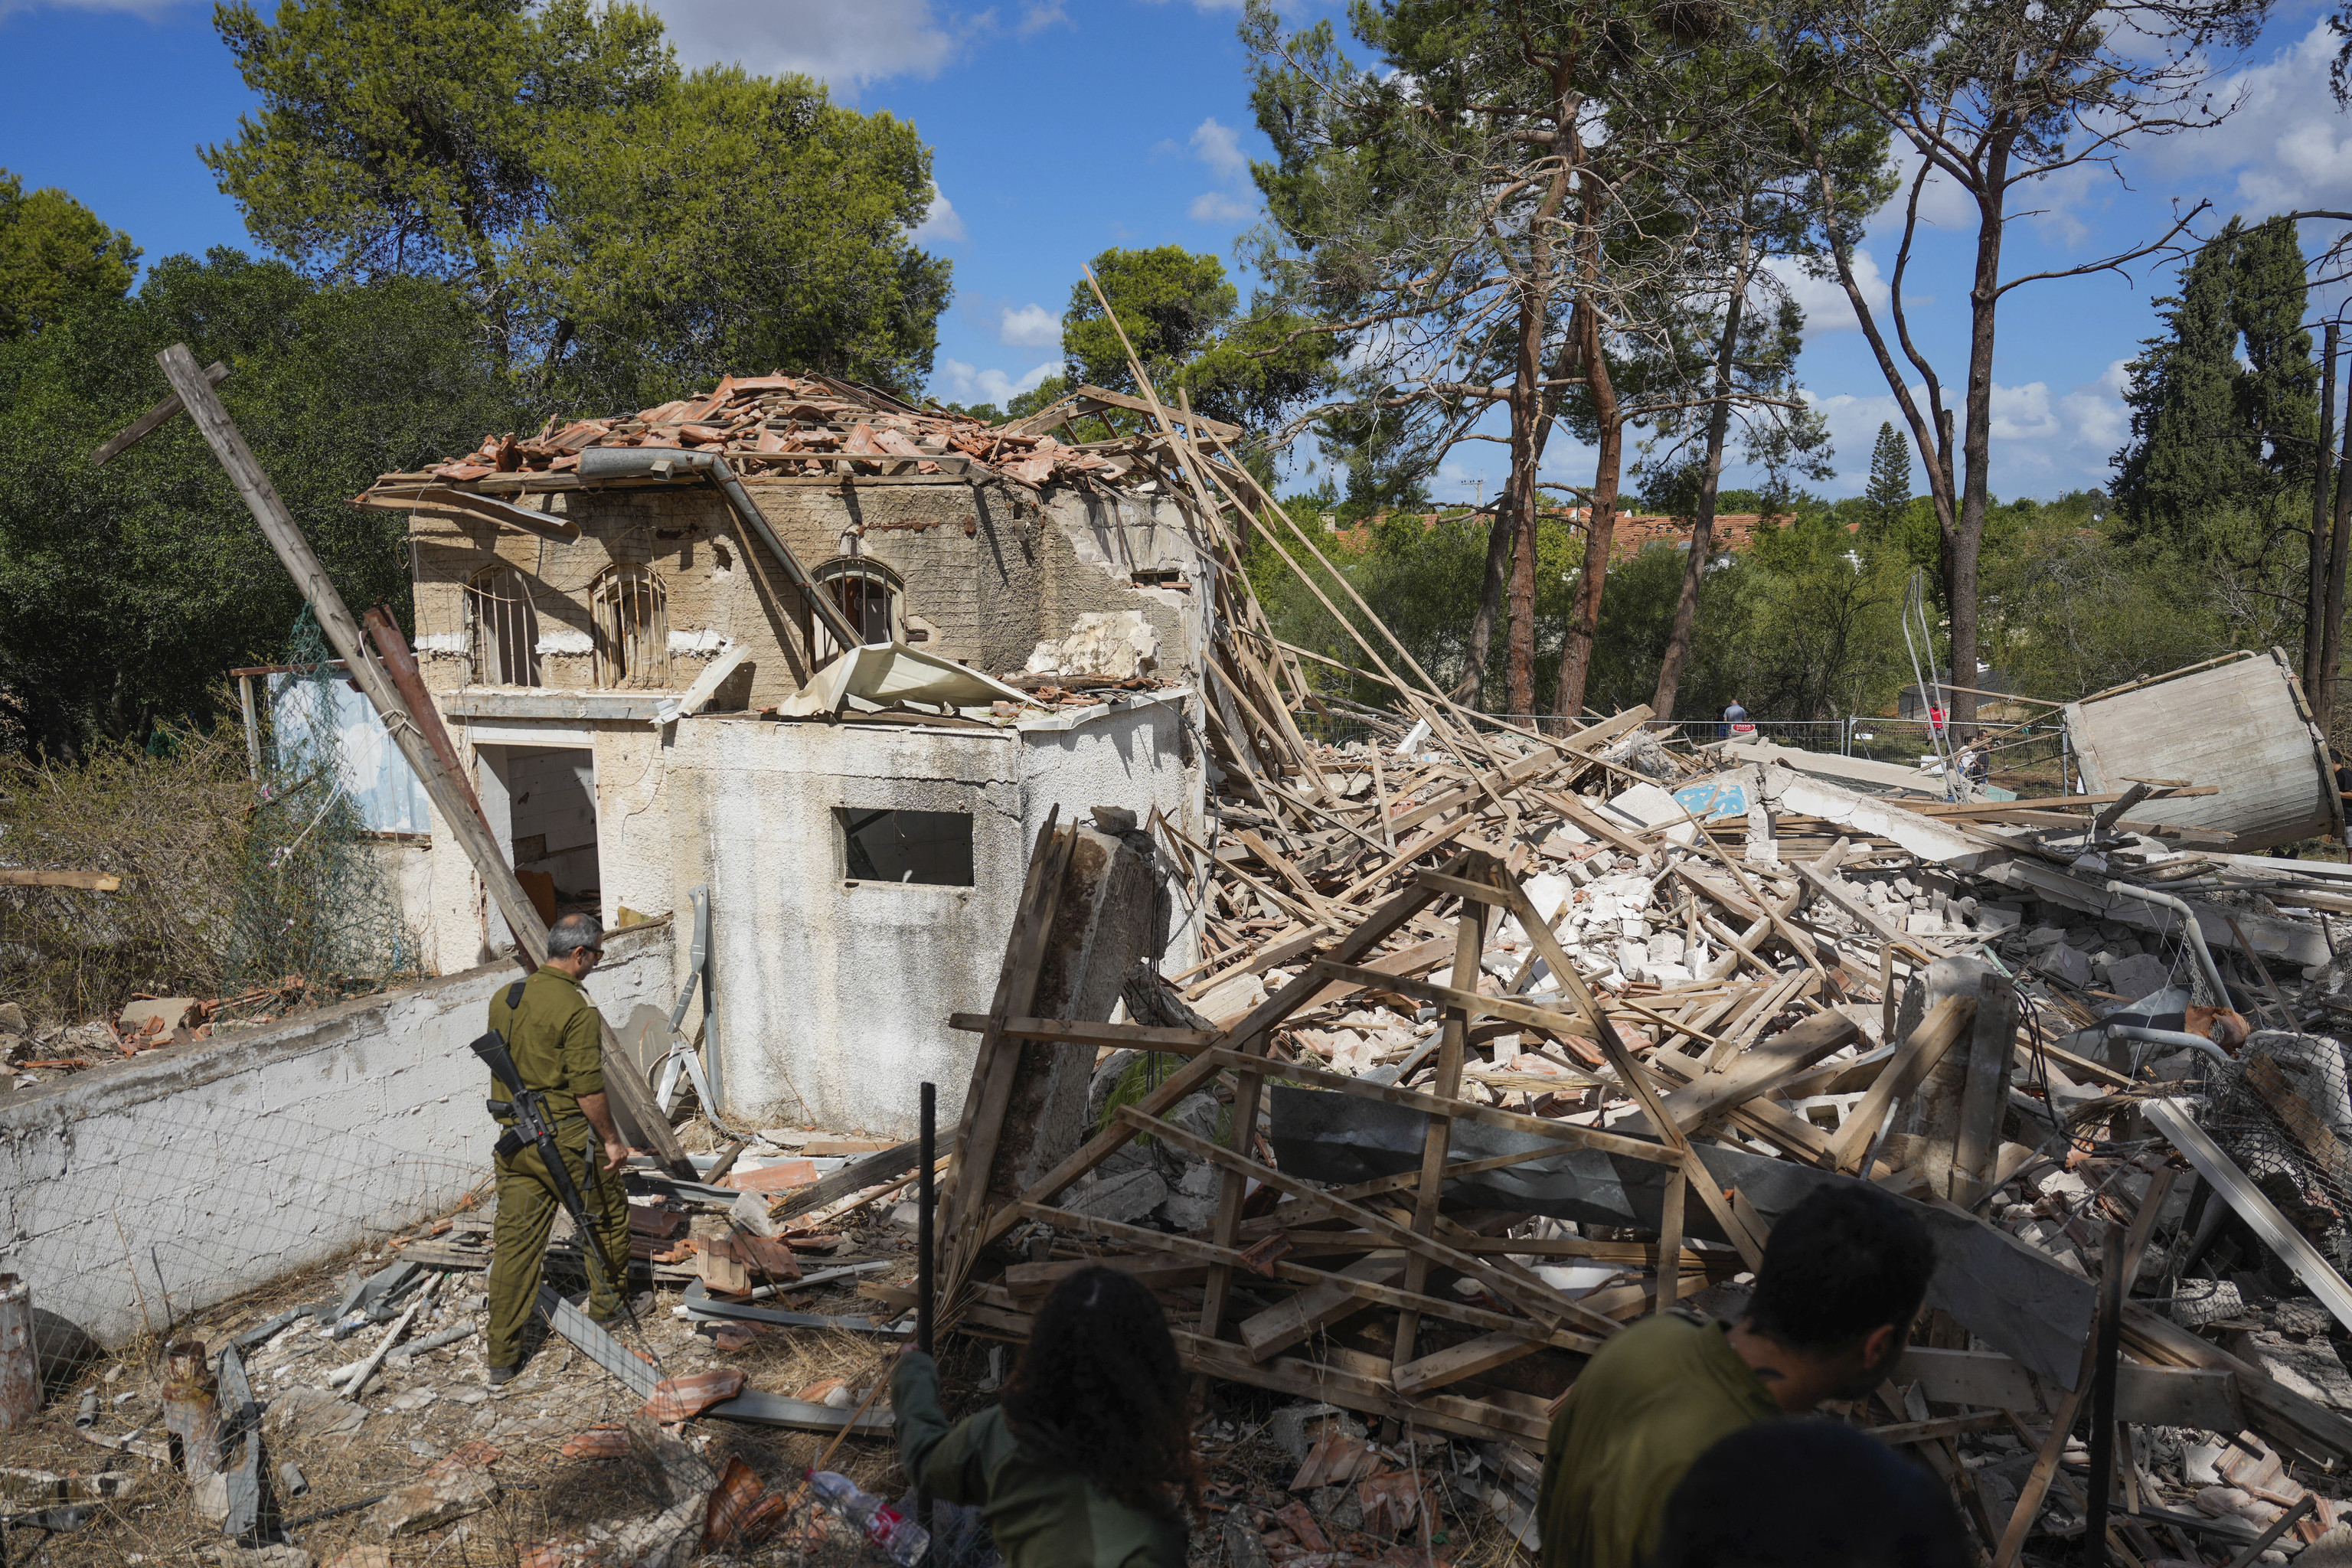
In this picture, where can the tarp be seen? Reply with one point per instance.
(305, 713)
(2012, 1296)
(886, 673)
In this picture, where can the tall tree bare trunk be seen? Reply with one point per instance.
(1481, 638)
(1702, 543)
(1601, 527)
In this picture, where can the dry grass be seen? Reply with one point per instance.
(172, 827)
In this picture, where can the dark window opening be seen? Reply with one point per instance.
(1162, 578)
(932, 847)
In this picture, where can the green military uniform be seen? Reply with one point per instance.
(1040, 1516)
(554, 1036)
(1658, 1395)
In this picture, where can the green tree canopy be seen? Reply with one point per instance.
(625, 230)
(2223, 402)
(1888, 495)
(126, 592)
(56, 256)
(1183, 316)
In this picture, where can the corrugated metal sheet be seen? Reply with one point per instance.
(2241, 727)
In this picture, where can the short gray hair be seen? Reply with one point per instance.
(573, 932)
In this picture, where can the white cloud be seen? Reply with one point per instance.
(967, 384)
(1216, 206)
(941, 220)
(2285, 144)
(1220, 147)
(2023, 412)
(1040, 15)
(1029, 327)
(1823, 300)
(845, 43)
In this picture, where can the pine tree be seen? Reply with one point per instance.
(1889, 495)
(2278, 396)
(2192, 449)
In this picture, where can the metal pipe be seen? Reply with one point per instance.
(20, 1369)
(923, 1223)
(2196, 933)
(599, 463)
(2168, 1038)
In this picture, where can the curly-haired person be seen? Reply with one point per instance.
(1089, 1462)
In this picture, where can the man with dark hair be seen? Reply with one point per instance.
(556, 1036)
(1844, 1275)
(1810, 1494)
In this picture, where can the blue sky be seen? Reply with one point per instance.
(1062, 127)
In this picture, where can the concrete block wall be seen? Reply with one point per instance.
(196, 1173)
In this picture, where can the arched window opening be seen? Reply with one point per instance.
(502, 628)
(631, 609)
(868, 598)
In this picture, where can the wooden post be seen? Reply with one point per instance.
(448, 793)
(252, 727)
(1984, 1095)
(1469, 946)
(20, 1369)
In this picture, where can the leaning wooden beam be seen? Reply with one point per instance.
(997, 1062)
(154, 419)
(628, 1091)
(1912, 1062)
(1377, 927)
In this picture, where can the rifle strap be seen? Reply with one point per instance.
(514, 996)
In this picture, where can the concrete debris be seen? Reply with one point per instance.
(2037, 1019)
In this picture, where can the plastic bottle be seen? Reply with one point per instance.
(901, 1538)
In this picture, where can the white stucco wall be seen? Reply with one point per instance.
(200, 1172)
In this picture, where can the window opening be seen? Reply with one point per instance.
(868, 598)
(502, 628)
(631, 610)
(931, 847)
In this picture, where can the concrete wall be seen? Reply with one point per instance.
(834, 991)
(200, 1172)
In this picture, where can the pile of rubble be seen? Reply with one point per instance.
(1489, 1023)
(790, 424)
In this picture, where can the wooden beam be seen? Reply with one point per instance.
(154, 419)
(1118, 1036)
(91, 882)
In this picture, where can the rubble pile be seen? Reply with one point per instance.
(789, 425)
(1490, 1025)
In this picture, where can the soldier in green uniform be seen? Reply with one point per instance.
(1844, 1273)
(554, 1032)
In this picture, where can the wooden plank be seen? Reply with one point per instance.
(855, 1177)
(1316, 1308)
(1469, 945)
(1357, 1391)
(90, 881)
(1984, 1096)
(1551, 1020)
(154, 419)
(1468, 1359)
(996, 1063)
(1376, 928)
(1913, 1061)
(1118, 1036)
(1761, 1068)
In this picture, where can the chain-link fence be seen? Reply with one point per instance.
(2282, 1111)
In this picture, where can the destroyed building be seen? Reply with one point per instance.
(650, 702)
